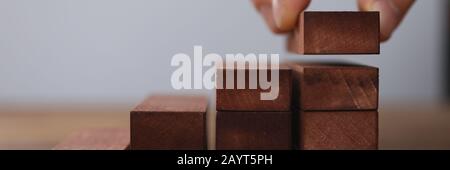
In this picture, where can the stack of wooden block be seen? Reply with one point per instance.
(244, 121)
(335, 106)
(336, 103)
(319, 105)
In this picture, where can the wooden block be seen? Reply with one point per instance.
(253, 131)
(334, 86)
(169, 122)
(336, 33)
(338, 130)
(248, 99)
(96, 139)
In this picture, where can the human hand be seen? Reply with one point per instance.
(281, 16)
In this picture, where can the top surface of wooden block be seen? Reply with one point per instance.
(334, 86)
(336, 33)
(173, 104)
(96, 139)
(328, 65)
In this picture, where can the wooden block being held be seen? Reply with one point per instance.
(169, 122)
(336, 33)
(338, 130)
(249, 99)
(334, 86)
(96, 139)
(253, 131)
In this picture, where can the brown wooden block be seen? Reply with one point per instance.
(96, 139)
(248, 99)
(253, 131)
(169, 122)
(336, 33)
(338, 130)
(334, 86)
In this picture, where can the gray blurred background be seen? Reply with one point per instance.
(117, 50)
(67, 65)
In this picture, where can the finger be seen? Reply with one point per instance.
(264, 7)
(286, 13)
(392, 13)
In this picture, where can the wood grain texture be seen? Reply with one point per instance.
(96, 139)
(169, 122)
(336, 33)
(249, 99)
(334, 86)
(356, 130)
(253, 131)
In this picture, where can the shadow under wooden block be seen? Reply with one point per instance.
(253, 131)
(249, 99)
(336, 33)
(96, 139)
(341, 130)
(169, 123)
(334, 86)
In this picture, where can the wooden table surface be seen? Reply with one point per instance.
(412, 125)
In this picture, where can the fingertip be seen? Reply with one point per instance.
(365, 5)
(389, 17)
(384, 38)
(267, 14)
(286, 13)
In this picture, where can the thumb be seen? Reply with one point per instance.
(392, 13)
